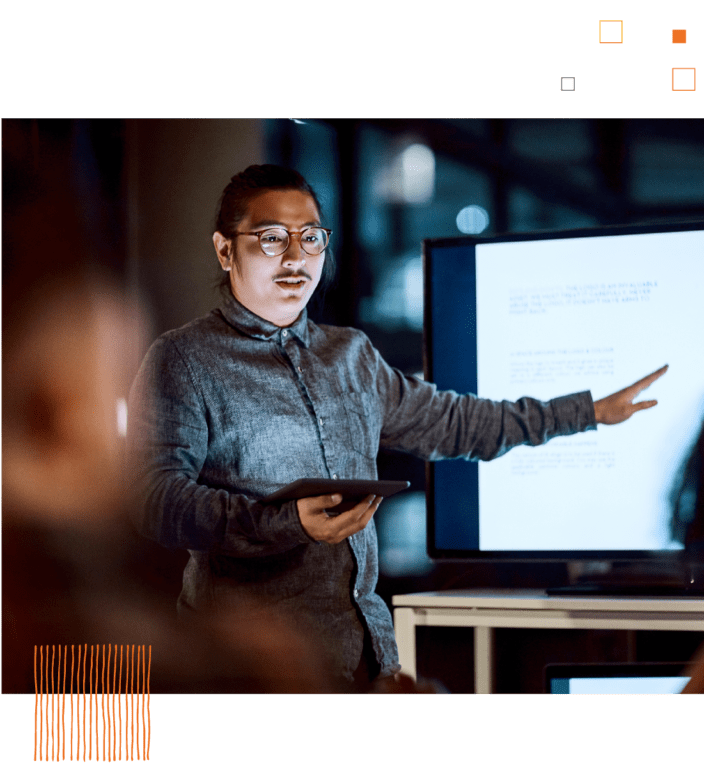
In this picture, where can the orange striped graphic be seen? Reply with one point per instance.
(50, 681)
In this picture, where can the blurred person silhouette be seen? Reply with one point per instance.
(236, 404)
(72, 565)
(64, 327)
(687, 527)
(696, 672)
(687, 524)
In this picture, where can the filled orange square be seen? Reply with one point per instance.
(679, 35)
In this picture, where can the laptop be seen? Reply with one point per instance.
(617, 677)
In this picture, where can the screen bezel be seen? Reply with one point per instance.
(432, 245)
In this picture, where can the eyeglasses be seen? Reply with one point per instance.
(275, 241)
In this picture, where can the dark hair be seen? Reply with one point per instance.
(245, 187)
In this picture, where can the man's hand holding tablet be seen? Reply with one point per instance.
(333, 510)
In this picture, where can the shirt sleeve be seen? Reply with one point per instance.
(432, 424)
(168, 442)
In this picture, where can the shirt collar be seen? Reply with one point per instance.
(252, 325)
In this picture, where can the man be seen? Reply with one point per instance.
(253, 396)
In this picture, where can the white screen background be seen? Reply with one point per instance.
(593, 313)
(627, 685)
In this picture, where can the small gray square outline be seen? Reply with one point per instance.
(563, 83)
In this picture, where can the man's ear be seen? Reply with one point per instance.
(223, 250)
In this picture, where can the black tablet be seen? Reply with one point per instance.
(353, 491)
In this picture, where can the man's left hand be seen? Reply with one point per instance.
(620, 406)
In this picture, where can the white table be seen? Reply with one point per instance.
(485, 610)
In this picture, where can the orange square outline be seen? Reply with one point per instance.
(676, 33)
(684, 90)
(611, 42)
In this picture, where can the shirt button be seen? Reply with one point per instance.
(284, 333)
(334, 477)
(356, 593)
(300, 370)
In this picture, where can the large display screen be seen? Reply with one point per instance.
(545, 315)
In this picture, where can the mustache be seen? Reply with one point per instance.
(300, 274)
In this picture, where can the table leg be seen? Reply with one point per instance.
(405, 628)
(483, 660)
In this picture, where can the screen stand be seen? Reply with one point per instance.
(632, 580)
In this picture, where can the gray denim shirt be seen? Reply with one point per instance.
(230, 407)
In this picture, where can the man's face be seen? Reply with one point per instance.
(276, 288)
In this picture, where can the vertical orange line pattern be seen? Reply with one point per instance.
(90, 706)
(108, 692)
(58, 708)
(63, 708)
(96, 719)
(57, 714)
(149, 711)
(119, 704)
(53, 720)
(114, 740)
(78, 705)
(102, 699)
(97, 704)
(127, 701)
(71, 713)
(136, 731)
(47, 702)
(132, 705)
(85, 656)
(144, 688)
(35, 702)
(49, 734)
(130, 723)
(41, 698)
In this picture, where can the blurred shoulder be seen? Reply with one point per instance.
(194, 333)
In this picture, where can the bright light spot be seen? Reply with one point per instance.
(398, 300)
(121, 406)
(472, 220)
(417, 173)
(401, 528)
(413, 293)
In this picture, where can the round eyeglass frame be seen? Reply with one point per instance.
(300, 235)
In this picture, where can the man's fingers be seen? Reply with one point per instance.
(352, 521)
(646, 381)
(334, 528)
(373, 506)
(366, 508)
(644, 404)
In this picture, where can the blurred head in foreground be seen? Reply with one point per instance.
(71, 571)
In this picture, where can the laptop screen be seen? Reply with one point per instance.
(615, 678)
